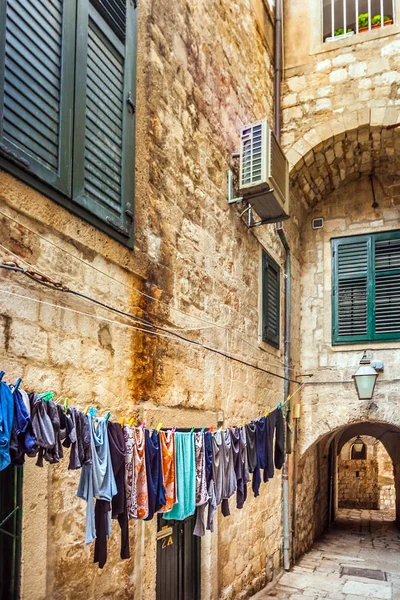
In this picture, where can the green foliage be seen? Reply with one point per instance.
(363, 20)
(376, 20)
(340, 31)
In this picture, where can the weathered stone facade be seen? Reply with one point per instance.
(204, 70)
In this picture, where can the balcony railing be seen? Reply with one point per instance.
(345, 18)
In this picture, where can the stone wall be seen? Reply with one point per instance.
(358, 484)
(204, 70)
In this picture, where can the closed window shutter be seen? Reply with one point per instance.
(271, 300)
(351, 289)
(36, 73)
(387, 287)
(103, 177)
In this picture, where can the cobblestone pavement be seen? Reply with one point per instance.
(366, 539)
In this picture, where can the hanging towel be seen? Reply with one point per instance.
(167, 442)
(97, 479)
(135, 473)
(155, 484)
(186, 477)
(6, 423)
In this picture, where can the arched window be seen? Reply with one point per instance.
(344, 18)
(358, 450)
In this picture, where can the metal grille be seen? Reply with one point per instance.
(367, 573)
(344, 18)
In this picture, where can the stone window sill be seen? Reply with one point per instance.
(388, 31)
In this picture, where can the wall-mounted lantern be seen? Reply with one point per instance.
(365, 379)
(358, 445)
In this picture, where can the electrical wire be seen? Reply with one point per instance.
(202, 319)
(149, 332)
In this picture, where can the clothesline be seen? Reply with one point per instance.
(133, 473)
(130, 287)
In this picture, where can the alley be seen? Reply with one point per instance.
(361, 539)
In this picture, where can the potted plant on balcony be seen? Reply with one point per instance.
(375, 22)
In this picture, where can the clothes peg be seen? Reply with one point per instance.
(211, 429)
(158, 427)
(202, 430)
(122, 422)
(66, 403)
(191, 431)
(108, 415)
(86, 410)
(143, 425)
(2, 373)
(173, 429)
(16, 386)
(131, 421)
(92, 411)
(279, 406)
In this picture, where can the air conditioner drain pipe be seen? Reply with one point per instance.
(278, 36)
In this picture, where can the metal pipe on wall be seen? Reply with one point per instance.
(277, 127)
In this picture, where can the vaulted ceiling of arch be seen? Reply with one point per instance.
(343, 158)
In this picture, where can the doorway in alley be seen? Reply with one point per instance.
(10, 531)
(178, 560)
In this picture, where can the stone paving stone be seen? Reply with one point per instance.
(362, 539)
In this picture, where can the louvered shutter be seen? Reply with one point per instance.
(387, 287)
(350, 289)
(36, 74)
(103, 178)
(271, 300)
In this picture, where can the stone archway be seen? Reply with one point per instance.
(315, 487)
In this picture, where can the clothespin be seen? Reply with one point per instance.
(2, 373)
(202, 430)
(66, 403)
(158, 427)
(143, 425)
(211, 429)
(46, 396)
(16, 386)
(191, 431)
(131, 421)
(279, 406)
(92, 411)
(86, 410)
(108, 415)
(122, 422)
(173, 429)
(267, 413)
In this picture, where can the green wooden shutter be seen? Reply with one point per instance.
(103, 178)
(36, 87)
(387, 288)
(351, 268)
(270, 300)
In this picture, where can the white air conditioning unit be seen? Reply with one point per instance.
(264, 173)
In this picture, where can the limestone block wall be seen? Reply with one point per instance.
(358, 484)
(327, 83)
(204, 70)
(330, 400)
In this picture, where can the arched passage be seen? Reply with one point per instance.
(317, 481)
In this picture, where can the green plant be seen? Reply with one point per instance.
(340, 31)
(377, 19)
(363, 20)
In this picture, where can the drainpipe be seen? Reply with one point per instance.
(278, 67)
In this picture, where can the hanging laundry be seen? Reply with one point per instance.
(218, 465)
(280, 440)
(135, 473)
(251, 450)
(6, 423)
(155, 484)
(202, 496)
(119, 509)
(238, 437)
(167, 442)
(230, 482)
(42, 428)
(97, 479)
(186, 477)
(22, 438)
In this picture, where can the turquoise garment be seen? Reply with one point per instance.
(97, 479)
(185, 477)
(6, 423)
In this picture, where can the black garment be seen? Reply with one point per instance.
(101, 511)
(208, 455)
(71, 441)
(261, 447)
(252, 456)
(280, 440)
(238, 466)
(271, 424)
(119, 509)
(155, 483)
(83, 439)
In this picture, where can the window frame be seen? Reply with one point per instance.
(267, 262)
(370, 27)
(60, 190)
(371, 335)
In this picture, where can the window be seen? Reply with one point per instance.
(366, 288)
(67, 75)
(344, 18)
(10, 531)
(270, 300)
